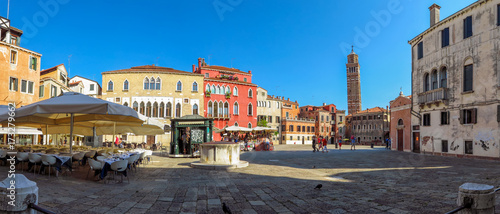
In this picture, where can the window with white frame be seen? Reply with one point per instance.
(41, 90)
(125, 85)
(158, 83)
(250, 93)
(13, 57)
(195, 109)
(250, 109)
(179, 86)
(110, 85)
(13, 84)
(33, 63)
(235, 109)
(235, 91)
(152, 83)
(146, 83)
(195, 86)
(24, 86)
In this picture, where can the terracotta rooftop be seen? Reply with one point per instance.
(216, 67)
(229, 81)
(74, 83)
(49, 70)
(372, 110)
(150, 68)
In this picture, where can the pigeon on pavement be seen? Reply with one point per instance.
(226, 209)
(318, 186)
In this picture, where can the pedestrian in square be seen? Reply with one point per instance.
(324, 145)
(340, 144)
(314, 144)
(353, 142)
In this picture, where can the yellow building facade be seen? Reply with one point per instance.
(156, 92)
(53, 82)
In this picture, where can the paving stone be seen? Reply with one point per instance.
(213, 202)
(257, 203)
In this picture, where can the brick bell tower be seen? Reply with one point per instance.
(353, 83)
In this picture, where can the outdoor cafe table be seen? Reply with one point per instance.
(117, 157)
(61, 160)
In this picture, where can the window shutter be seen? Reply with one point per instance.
(465, 28)
(461, 117)
(498, 113)
(448, 117)
(474, 116)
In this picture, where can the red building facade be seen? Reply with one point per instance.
(230, 96)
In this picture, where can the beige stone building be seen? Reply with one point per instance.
(341, 121)
(157, 92)
(455, 83)
(269, 109)
(370, 126)
(53, 82)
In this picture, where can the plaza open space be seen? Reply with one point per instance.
(282, 181)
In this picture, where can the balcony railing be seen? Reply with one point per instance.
(435, 95)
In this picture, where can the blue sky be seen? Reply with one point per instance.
(294, 48)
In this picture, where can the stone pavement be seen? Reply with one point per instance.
(281, 181)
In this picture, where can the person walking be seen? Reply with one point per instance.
(325, 142)
(353, 142)
(340, 144)
(320, 143)
(314, 144)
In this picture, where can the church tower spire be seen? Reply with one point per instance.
(353, 83)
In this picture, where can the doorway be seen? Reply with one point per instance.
(150, 140)
(416, 142)
(400, 139)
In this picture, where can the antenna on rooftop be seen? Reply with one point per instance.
(69, 65)
(8, 7)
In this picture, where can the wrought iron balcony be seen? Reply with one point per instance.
(436, 95)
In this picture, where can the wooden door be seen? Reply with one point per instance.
(400, 139)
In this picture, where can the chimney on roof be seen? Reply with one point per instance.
(250, 71)
(289, 99)
(434, 14)
(194, 68)
(324, 104)
(199, 63)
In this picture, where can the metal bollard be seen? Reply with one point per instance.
(479, 197)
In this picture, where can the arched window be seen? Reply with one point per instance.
(364, 127)
(249, 125)
(125, 104)
(179, 86)
(434, 80)
(269, 104)
(228, 91)
(162, 109)
(207, 87)
(221, 109)
(216, 109)
(110, 85)
(148, 109)
(443, 76)
(142, 108)
(213, 89)
(146, 83)
(354, 127)
(155, 109)
(217, 90)
(169, 110)
(152, 83)
(400, 122)
(369, 126)
(178, 110)
(135, 106)
(195, 109)
(235, 91)
(290, 128)
(250, 109)
(125, 85)
(226, 109)
(359, 127)
(223, 90)
(195, 86)
(210, 109)
(426, 82)
(250, 93)
(158, 83)
(235, 109)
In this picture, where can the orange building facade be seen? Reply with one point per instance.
(400, 128)
(20, 68)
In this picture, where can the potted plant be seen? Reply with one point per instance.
(228, 95)
(207, 93)
(236, 78)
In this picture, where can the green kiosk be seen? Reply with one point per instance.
(188, 132)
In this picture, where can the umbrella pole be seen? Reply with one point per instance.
(46, 134)
(114, 130)
(71, 135)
